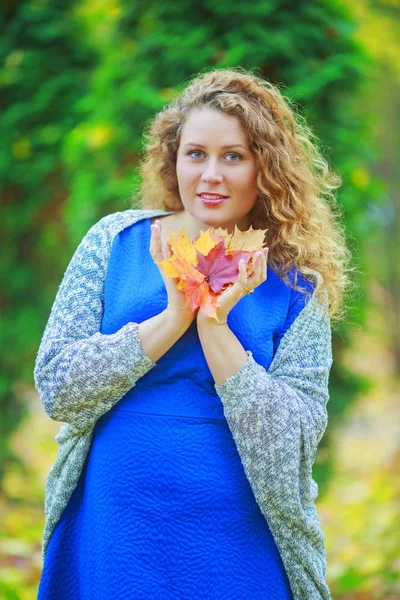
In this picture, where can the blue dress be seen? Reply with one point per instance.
(163, 509)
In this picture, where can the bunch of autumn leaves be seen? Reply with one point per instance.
(208, 265)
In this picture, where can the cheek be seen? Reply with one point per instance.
(183, 172)
(180, 174)
(248, 179)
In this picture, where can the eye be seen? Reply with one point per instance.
(235, 154)
(194, 152)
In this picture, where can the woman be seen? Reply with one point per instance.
(185, 460)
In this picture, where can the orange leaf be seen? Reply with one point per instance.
(210, 305)
(195, 293)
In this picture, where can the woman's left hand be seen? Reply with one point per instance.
(231, 296)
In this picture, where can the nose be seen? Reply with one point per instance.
(210, 174)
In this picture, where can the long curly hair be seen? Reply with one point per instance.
(296, 202)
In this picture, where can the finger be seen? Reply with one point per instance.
(166, 250)
(152, 242)
(157, 252)
(255, 278)
(242, 278)
(255, 265)
(157, 241)
(263, 263)
(265, 271)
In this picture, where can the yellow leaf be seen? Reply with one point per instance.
(169, 267)
(250, 240)
(204, 243)
(182, 247)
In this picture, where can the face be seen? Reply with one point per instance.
(214, 158)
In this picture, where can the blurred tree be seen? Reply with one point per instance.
(79, 82)
(380, 20)
(44, 71)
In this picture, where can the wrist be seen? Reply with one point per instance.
(177, 314)
(206, 321)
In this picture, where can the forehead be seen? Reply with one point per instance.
(204, 126)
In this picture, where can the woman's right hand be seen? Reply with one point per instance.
(176, 299)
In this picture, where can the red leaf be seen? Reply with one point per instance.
(218, 268)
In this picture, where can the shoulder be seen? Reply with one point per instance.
(307, 283)
(294, 302)
(296, 299)
(95, 246)
(307, 322)
(102, 233)
(311, 288)
(309, 308)
(116, 222)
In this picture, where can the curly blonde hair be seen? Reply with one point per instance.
(296, 200)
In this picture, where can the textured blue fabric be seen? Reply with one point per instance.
(163, 508)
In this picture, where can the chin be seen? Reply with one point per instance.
(212, 217)
(216, 222)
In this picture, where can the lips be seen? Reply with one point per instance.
(212, 199)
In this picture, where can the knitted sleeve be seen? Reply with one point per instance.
(79, 372)
(277, 418)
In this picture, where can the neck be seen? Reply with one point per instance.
(193, 227)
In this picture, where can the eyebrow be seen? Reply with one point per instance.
(228, 146)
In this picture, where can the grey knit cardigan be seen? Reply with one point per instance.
(277, 417)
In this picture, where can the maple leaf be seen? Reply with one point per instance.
(209, 264)
(169, 266)
(182, 247)
(205, 242)
(250, 240)
(190, 280)
(196, 292)
(218, 268)
(210, 305)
